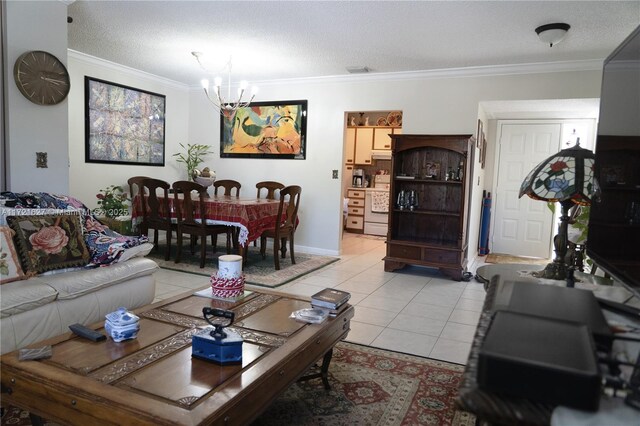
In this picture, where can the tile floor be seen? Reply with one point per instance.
(415, 310)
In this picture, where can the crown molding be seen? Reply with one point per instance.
(93, 60)
(482, 71)
(67, 2)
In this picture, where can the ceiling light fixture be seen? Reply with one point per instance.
(552, 33)
(224, 105)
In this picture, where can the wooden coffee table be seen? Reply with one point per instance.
(153, 380)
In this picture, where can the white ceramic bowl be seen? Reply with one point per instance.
(205, 181)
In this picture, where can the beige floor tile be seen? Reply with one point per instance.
(405, 341)
(362, 333)
(459, 332)
(464, 317)
(470, 305)
(358, 286)
(431, 298)
(404, 311)
(373, 316)
(415, 324)
(302, 289)
(383, 303)
(451, 350)
(435, 312)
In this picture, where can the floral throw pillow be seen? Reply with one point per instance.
(49, 242)
(10, 269)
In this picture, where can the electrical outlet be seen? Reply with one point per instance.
(335, 174)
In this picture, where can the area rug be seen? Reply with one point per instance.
(507, 258)
(257, 271)
(369, 386)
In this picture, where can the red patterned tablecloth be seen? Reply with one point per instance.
(251, 215)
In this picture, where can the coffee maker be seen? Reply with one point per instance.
(358, 178)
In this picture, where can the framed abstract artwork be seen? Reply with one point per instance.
(123, 125)
(265, 130)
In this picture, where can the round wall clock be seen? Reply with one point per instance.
(41, 78)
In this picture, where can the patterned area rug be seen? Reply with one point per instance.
(372, 386)
(507, 258)
(369, 386)
(257, 271)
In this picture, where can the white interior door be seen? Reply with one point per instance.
(522, 226)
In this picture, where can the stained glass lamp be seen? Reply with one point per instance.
(567, 178)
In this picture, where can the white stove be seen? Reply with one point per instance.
(376, 206)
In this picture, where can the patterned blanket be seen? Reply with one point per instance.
(105, 245)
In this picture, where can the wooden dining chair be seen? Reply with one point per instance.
(271, 187)
(135, 188)
(191, 219)
(228, 185)
(155, 212)
(284, 230)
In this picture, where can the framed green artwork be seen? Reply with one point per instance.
(265, 130)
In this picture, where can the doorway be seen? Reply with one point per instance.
(523, 226)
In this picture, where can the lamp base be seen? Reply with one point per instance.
(553, 271)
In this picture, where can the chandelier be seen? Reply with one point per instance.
(224, 105)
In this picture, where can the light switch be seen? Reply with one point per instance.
(41, 160)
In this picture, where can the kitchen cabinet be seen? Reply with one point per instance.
(382, 136)
(364, 145)
(432, 232)
(361, 140)
(350, 146)
(355, 210)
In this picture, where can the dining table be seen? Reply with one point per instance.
(252, 216)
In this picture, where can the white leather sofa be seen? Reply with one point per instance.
(44, 306)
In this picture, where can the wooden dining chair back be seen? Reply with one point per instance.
(285, 229)
(189, 199)
(135, 188)
(230, 186)
(135, 185)
(155, 211)
(270, 186)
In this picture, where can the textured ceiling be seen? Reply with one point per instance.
(271, 40)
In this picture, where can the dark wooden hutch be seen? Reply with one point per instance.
(429, 202)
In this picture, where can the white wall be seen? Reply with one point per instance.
(31, 128)
(430, 105)
(88, 178)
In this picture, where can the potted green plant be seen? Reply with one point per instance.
(192, 157)
(114, 209)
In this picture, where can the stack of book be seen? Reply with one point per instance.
(332, 300)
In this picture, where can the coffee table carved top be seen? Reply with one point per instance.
(154, 375)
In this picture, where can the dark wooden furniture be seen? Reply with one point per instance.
(251, 216)
(283, 231)
(155, 212)
(433, 233)
(153, 380)
(500, 409)
(270, 186)
(135, 188)
(229, 186)
(189, 212)
(135, 185)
